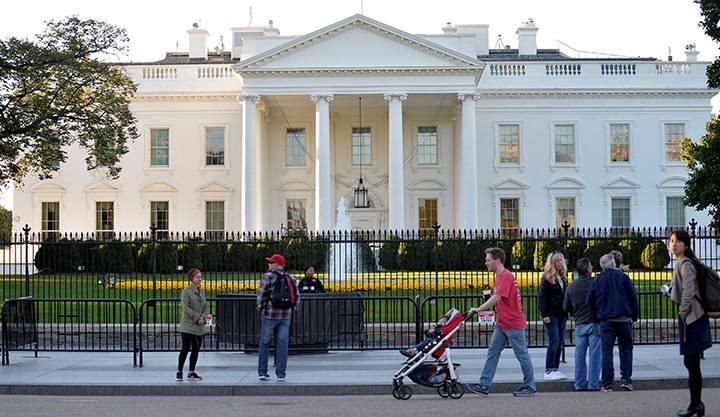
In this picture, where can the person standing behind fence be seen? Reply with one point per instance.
(310, 284)
(694, 326)
(613, 302)
(274, 320)
(550, 301)
(587, 335)
(192, 324)
(618, 256)
(510, 326)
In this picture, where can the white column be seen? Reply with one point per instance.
(323, 183)
(396, 179)
(248, 222)
(468, 187)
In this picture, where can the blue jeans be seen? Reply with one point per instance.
(587, 376)
(519, 345)
(281, 329)
(556, 339)
(622, 331)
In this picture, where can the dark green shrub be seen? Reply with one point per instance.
(389, 254)
(596, 248)
(190, 256)
(632, 250)
(506, 245)
(450, 255)
(166, 258)
(574, 250)
(655, 256)
(115, 256)
(522, 254)
(416, 255)
(143, 257)
(474, 255)
(543, 249)
(213, 256)
(58, 256)
(243, 257)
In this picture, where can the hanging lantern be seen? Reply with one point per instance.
(361, 195)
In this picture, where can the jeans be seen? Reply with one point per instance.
(587, 377)
(556, 339)
(281, 329)
(519, 345)
(622, 331)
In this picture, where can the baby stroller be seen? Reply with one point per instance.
(433, 365)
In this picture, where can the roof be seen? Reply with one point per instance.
(508, 54)
(183, 58)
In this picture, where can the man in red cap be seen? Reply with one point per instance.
(277, 297)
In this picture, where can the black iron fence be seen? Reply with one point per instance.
(392, 283)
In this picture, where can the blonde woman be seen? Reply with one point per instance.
(550, 300)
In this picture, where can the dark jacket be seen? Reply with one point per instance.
(550, 298)
(613, 295)
(575, 297)
(310, 285)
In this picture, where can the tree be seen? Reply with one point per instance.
(710, 11)
(5, 222)
(55, 91)
(703, 162)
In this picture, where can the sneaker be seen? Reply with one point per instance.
(606, 389)
(408, 353)
(281, 379)
(524, 391)
(192, 376)
(265, 377)
(477, 389)
(554, 376)
(178, 376)
(626, 386)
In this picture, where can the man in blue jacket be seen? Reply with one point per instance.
(613, 303)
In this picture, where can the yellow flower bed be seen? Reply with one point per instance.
(208, 286)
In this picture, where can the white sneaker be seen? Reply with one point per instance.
(562, 375)
(554, 376)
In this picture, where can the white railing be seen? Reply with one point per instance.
(672, 68)
(563, 69)
(618, 69)
(215, 72)
(159, 73)
(508, 70)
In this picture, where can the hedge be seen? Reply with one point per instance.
(655, 256)
(522, 253)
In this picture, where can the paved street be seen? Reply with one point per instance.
(639, 403)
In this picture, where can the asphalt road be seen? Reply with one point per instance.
(615, 404)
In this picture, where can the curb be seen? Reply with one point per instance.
(201, 389)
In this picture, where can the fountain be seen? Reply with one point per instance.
(343, 255)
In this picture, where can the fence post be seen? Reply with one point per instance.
(153, 237)
(418, 319)
(26, 230)
(693, 225)
(436, 227)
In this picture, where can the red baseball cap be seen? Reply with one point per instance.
(277, 259)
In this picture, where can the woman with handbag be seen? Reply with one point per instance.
(694, 326)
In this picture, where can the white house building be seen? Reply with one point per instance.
(441, 128)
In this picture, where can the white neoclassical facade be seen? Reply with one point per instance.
(441, 128)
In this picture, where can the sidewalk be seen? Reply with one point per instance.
(335, 373)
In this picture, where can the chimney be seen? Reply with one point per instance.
(527, 38)
(270, 30)
(198, 42)
(449, 29)
(482, 39)
(691, 53)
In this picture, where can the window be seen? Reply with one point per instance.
(160, 217)
(620, 142)
(214, 219)
(565, 144)
(296, 214)
(296, 147)
(104, 219)
(427, 147)
(509, 143)
(565, 212)
(427, 214)
(214, 146)
(159, 147)
(361, 146)
(50, 220)
(510, 216)
(620, 213)
(674, 134)
(675, 212)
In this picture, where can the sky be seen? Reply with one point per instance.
(621, 27)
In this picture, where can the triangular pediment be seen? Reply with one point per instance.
(158, 187)
(214, 186)
(358, 42)
(101, 187)
(509, 184)
(621, 182)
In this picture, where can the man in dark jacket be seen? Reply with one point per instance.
(613, 303)
(587, 335)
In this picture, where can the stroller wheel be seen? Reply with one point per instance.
(442, 390)
(404, 392)
(395, 393)
(456, 390)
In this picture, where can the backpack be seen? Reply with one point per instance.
(283, 292)
(708, 287)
